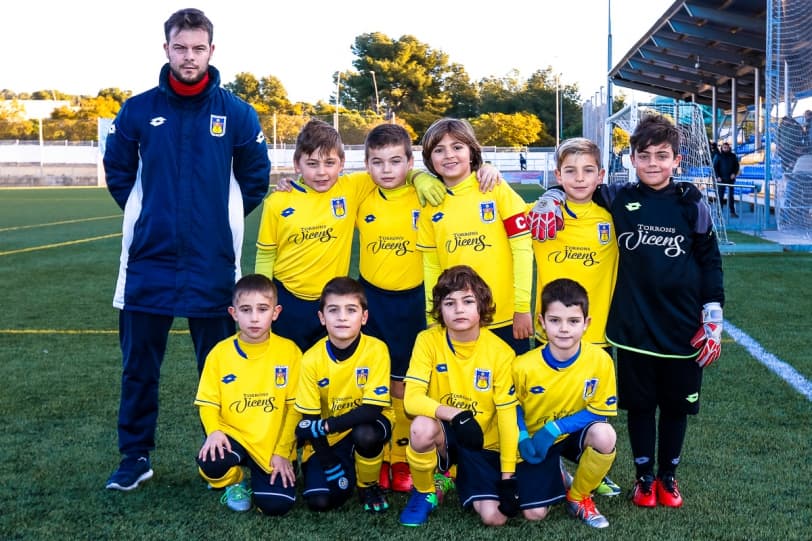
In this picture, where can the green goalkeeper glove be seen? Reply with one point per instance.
(429, 189)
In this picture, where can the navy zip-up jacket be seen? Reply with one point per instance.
(185, 170)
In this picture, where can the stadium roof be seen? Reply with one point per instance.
(697, 45)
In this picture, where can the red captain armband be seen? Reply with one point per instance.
(516, 224)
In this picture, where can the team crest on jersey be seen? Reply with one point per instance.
(590, 386)
(361, 376)
(281, 376)
(482, 379)
(487, 211)
(415, 216)
(604, 232)
(217, 125)
(339, 207)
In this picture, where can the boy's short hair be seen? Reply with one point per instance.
(458, 129)
(654, 129)
(188, 19)
(577, 145)
(318, 137)
(343, 285)
(460, 278)
(254, 283)
(386, 135)
(567, 292)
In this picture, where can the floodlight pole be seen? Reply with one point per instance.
(557, 110)
(338, 100)
(377, 102)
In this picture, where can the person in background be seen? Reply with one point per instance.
(726, 167)
(186, 161)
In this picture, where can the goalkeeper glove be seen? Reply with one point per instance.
(429, 189)
(709, 337)
(526, 448)
(310, 429)
(545, 438)
(546, 218)
(467, 430)
(507, 490)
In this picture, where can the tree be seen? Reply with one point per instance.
(410, 76)
(499, 129)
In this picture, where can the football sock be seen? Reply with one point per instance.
(592, 468)
(400, 432)
(671, 429)
(368, 470)
(642, 437)
(422, 466)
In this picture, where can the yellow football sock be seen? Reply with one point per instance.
(400, 432)
(368, 470)
(592, 468)
(422, 466)
(233, 476)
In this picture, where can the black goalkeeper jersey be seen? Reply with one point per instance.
(669, 266)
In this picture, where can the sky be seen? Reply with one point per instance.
(81, 47)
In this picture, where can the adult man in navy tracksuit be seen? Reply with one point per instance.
(186, 161)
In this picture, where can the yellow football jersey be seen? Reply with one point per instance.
(247, 391)
(387, 229)
(481, 383)
(474, 228)
(549, 392)
(329, 388)
(312, 232)
(584, 251)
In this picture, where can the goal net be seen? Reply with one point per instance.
(696, 165)
(788, 103)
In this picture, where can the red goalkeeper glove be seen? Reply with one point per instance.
(546, 218)
(709, 336)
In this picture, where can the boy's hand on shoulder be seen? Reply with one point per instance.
(429, 189)
(284, 184)
(489, 177)
(709, 336)
(546, 218)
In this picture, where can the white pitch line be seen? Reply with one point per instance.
(783, 370)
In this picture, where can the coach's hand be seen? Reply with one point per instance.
(545, 438)
(709, 337)
(508, 492)
(467, 430)
(546, 218)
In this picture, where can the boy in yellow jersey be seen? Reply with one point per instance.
(343, 396)
(460, 391)
(487, 231)
(586, 250)
(566, 390)
(305, 233)
(391, 271)
(245, 398)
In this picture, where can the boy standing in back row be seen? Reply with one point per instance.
(669, 283)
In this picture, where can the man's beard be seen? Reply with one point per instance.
(180, 77)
